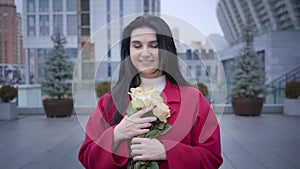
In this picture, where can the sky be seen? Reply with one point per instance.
(199, 13)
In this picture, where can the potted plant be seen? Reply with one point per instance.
(8, 110)
(248, 79)
(203, 88)
(102, 88)
(57, 82)
(292, 98)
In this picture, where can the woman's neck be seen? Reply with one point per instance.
(158, 82)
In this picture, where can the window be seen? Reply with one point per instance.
(30, 5)
(30, 25)
(44, 5)
(85, 19)
(72, 52)
(85, 32)
(44, 25)
(57, 5)
(146, 6)
(208, 71)
(198, 70)
(109, 69)
(71, 24)
(71, 5)
(57, 23)
(85, 5)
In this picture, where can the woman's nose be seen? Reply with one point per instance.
(145, 52)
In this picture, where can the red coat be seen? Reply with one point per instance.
(192, 143)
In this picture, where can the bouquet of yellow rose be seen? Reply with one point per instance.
(143, 97)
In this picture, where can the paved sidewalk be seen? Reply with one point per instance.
(265, 142)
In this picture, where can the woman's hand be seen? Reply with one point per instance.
(133, 125)
(147, 149)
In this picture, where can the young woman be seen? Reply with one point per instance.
(149, 58)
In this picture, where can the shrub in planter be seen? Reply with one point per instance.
(292, 100)
(292, 90)
(203, 88)
(102, 88)
(8, 111)
(57, 82)
(8, 93)
(248, 78)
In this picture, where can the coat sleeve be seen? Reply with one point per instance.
(96, 150)
(204, 149)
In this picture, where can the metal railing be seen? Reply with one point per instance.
(276, 93)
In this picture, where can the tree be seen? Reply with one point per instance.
(57, 82)
(248, 74)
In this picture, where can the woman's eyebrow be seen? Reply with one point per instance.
(136, 41)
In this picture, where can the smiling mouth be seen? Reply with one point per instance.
(145, 60)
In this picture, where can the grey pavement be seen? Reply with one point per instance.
(271, 141)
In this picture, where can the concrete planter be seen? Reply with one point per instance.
(8, 111)
(58, 107)
(248, 106)
(291, 107)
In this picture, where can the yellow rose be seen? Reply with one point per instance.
(137, 92)
(156, 98)
(137, 103)
(162, 111)
(149, 90)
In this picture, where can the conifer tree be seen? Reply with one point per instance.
(248, 76)
(57, 82)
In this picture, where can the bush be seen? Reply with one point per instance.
(103, 88)
(292, 90)
(8, 93)
(203, 88)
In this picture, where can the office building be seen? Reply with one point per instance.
(101, 23)
(11, 56)
(276, 30)
(41, 19)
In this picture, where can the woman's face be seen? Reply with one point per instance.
(144, 52)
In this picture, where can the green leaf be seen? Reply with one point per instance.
(137, 165)
(130, 110)
(153, 134)
(154, 165)
(141, 136)
(167, 128)
(161, 126)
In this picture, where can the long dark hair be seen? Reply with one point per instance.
(128, 74)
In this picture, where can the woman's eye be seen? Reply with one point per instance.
(137, 46)
(154, 46)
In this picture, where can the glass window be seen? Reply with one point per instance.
(85, 5)
(44, 25)
(57, 23)
(85, 32)
(57, 5)
(72, 52)
(30, 5)
(44, 5)
(30, 25)
(109, 69)
(71, 5)
(71, 24)
(198, 70)
(85, 19)
(146, 6)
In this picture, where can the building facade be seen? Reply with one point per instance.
(276, 31)
(42, 19)
(11, 52)
(264, 15)
(101, 23)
